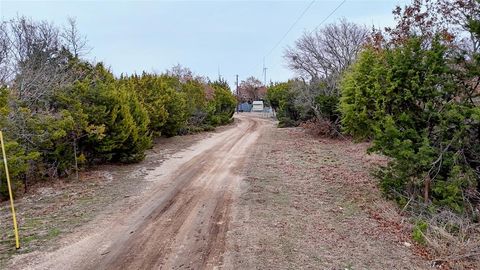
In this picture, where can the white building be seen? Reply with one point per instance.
(257, 106)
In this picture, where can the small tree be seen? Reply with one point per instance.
(223, 102)
(251, 89)
(282, 98)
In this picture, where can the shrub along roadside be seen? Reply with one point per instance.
(297, 102)
(414, 93)
(281, 97)
(406, 99)
(415, 104)
(98, 118)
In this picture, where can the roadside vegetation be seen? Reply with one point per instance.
(412, 91)
(60, 112)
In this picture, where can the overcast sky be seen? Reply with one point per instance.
(226, 37)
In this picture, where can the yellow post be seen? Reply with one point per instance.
(15, 228)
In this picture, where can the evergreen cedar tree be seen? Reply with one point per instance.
(416, 98)
(99, 118)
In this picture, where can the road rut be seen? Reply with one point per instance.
(180, 223)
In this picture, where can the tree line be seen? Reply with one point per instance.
(60, 112)
(413, 90)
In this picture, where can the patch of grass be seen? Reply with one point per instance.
(418, 233)
(31, 223)
(27, 239)
(54, 232)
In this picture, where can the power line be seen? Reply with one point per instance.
(296, 21)
(329, 15)
(291, 27)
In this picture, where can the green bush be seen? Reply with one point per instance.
(17, 157)
(196, 101)
(176, 106)
(150, 90)
(282, 99)
(328, 107)
(418, 232)
(407, 101)
(99, 118)
(60, 112)
(18, 165)
(111, 123)
(361, 87)
(223, 104)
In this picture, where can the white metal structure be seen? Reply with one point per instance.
(257, 106)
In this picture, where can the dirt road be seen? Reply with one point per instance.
(248, 196)
(180, 222)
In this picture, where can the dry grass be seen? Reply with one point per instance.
(322, 127)
(454, 240)
(311, 203)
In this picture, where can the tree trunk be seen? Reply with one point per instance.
(426, 189)
(75, 154)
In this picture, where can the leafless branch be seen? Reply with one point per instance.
(324, 54)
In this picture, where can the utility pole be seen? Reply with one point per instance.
(238, 98)
(265, 76)
(264, 73)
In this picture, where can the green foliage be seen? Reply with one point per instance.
(282, 99)
(18, 165)
(3, 104)
(176, 106)
(328, 106)
(222, 105)
(418, 232)
(17, 158)
(197, 101)
(117, 123)
(140, 136)
(183, 107)
(277, 94)
(60, 112)
(100, 118)
(360, 87)
(407, 100)
(150, 90)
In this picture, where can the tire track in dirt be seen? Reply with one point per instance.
(181, 223)
(168, 220)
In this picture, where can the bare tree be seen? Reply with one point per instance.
(184, 74)
(35, 61)
(38, 60)
(4, 47)
(75, 42)
(322, 55)
(427, 19)
(251, 89)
